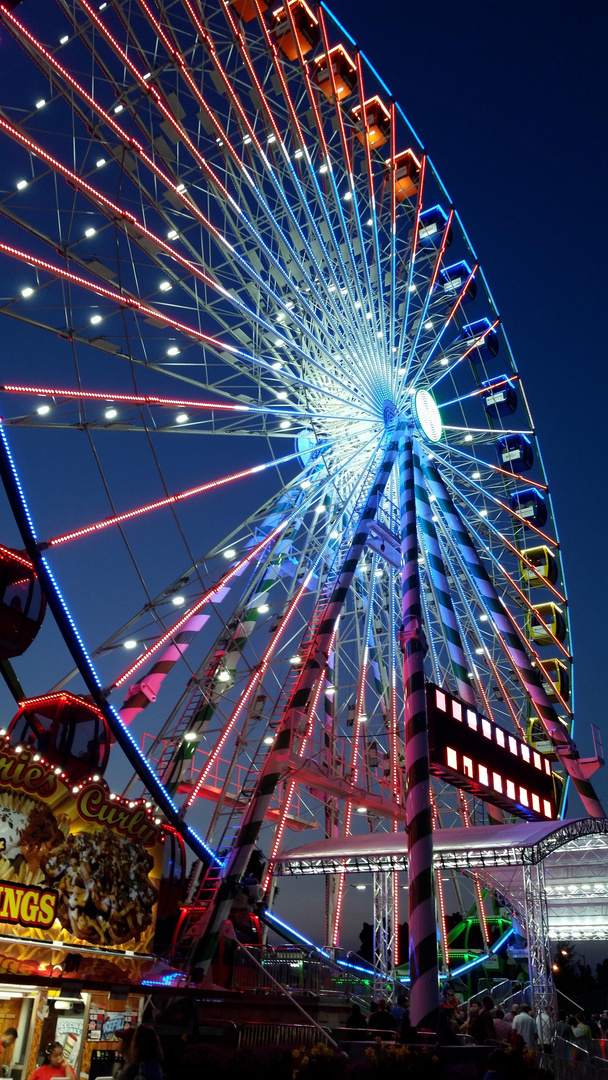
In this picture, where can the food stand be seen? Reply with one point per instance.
(80, 873)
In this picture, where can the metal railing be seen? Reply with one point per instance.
(291, 1036)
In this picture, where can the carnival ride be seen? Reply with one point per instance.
(231, 231)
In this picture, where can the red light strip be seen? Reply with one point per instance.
(131, 399)
(443, 929)
(478, 890)
(14, 557)
(506, 695)
(168, 501)
(127, 139)
(257, 676)
(64, 695)
(441, 253)
(554, 685)
(461, 296)
(200, 603)
(120, 299)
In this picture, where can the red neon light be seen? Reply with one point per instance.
(258, 674)
(131, 399)
(201, 603)
(168, 501)
(440, 254)
(64, 696)
(120, 299)
(14, 557)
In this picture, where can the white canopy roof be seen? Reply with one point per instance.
(575, 854)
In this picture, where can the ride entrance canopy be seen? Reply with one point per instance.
(244, 308)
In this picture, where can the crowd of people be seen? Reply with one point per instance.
(485, 1023)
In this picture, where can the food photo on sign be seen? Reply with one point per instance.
(77, 864)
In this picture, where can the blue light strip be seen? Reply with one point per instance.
(295, 933)
(77, 648)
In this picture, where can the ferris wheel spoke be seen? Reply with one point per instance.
(353, 276)
(444, 325)
(422, 315)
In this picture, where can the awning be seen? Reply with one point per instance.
(574, 853)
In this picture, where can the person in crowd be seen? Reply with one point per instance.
(383, 1018)
(54, 1064)
(146, 1054)
(123, 1052)
(524, 1025)
(7, 1047)
(399, 1009)
(563, 1031)
(502, 1027)
(497, 1066)
(407, 1033)
(594, 1026)
(512, 1013)
(582, 1033)
(544, 1030)
(357, 1022)
(481, 1025)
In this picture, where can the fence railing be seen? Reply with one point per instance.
(257, 1034)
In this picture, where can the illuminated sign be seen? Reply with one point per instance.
(473, 753)
(27, 905)
(77, 862)
(428, 416)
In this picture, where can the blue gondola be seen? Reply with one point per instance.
(499, 396)
(432, 227)
(488, 347)
(530, 504)
(453, 278)
(515, 453)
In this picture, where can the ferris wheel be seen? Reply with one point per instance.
(271, 340)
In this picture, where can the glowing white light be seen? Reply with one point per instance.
(43, 410)
(360, 888)
(27, 292)
(95, 319)
(476, 476)
(323, 169)
(229, 553)
(468, 438)
(181, 418)
(272, 138)
(268, 741)
(130, 644)
(263, 609)
(295, 660)
(118, 108)
(172, 234)
(427, 414)
(90, 231)
(178, 601)
(282, 394)
(173, 351)
(63, 40)
(111, 414)
(165, 286)
(285, 424)
(334, 535)
(41, 103)
(362, 809)
(223, 675)
(298, 153)
(190, 736)
(484, 513)
(278, 364)
(180, 188)
(100, 163)
(348, 196)
(21, 184)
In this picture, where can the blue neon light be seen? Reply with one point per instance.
(296, 933)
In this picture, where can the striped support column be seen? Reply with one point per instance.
(424, 973)
(145, 690)
(278, 761)
(529, 676)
